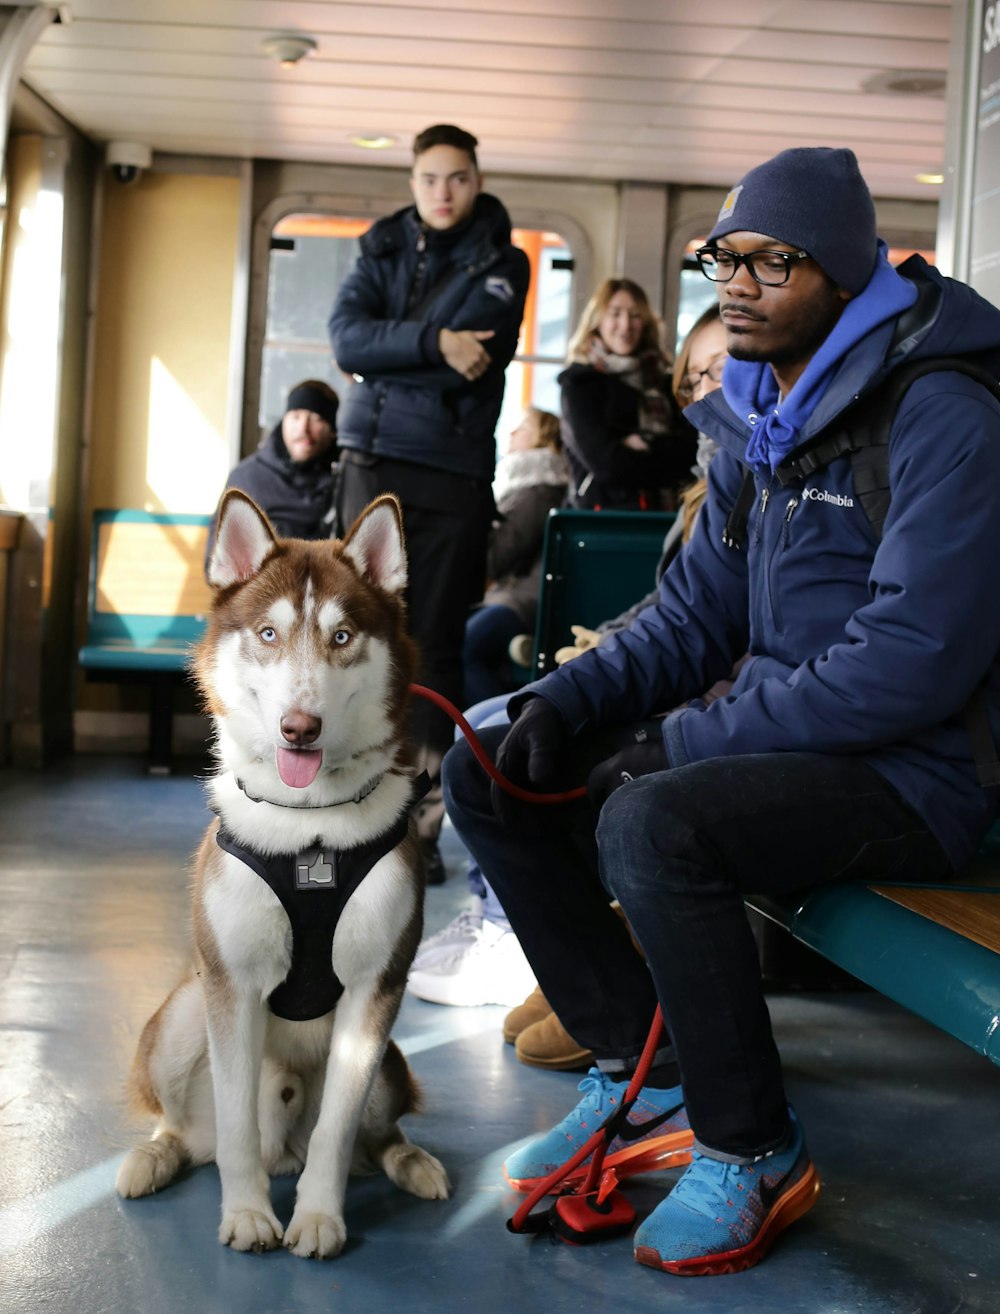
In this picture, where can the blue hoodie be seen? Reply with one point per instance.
(855, 646)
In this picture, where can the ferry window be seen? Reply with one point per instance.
(697, 293)
(545, 330)
(312, 254)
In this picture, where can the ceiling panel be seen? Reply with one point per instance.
(617, 89)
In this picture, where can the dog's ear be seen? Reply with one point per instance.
(242, 542)
(374, 543)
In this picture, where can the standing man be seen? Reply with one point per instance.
(429, 319)
(841, 752)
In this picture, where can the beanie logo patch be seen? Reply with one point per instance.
(729, 204)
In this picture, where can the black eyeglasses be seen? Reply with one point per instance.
(690, 383)
(769, 268)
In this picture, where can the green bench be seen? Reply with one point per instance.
(933, 949)
(595, 564)
(147, 600)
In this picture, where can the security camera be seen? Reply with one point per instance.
(127, 159)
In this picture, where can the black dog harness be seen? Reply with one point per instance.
(314, 887)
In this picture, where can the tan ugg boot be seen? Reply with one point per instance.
(534, 1008)
(547, 1044)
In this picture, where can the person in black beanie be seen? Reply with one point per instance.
(863, 593)
(427, 321)
(290, 476)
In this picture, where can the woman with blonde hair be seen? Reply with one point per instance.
(624, 444)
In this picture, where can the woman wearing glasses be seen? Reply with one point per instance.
(624, 445)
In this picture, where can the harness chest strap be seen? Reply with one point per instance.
(314, 887)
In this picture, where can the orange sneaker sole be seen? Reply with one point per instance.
(798, 1201)
(671, 1151)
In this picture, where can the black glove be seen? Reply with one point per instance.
(641, 754)
(530, 751)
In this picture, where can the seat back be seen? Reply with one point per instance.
(595, 565)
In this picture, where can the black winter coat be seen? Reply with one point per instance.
(296, 496)
(598, 411)
(410, 405)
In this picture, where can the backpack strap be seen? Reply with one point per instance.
(735, 528)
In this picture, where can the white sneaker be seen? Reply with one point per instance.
(491, 970)
(463, 930)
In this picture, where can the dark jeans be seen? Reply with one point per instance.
(486, 663)
(679, 849)
(446, 522)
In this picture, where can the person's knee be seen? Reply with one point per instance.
(638, 834)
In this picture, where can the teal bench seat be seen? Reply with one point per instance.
(147, 601)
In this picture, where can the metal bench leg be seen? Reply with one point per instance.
(161, 715)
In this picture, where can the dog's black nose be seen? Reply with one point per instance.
(300, 728)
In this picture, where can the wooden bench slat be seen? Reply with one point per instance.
(972, 915)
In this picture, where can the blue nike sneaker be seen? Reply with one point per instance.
(656, 1134)
(724, 1217)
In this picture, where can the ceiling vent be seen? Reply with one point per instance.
(906, 82)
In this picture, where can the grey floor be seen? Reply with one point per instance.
(903, 1121)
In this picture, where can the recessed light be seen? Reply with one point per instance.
(374, 141)
(932, 179)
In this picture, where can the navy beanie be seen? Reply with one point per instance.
(305, 397)
(815, 198)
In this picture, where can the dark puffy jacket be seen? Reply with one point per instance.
(598, 411)
(855, 646)
(409, 404)
(296, 496)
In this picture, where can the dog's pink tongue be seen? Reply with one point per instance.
(298, 766)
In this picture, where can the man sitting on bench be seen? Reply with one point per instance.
(845, 750)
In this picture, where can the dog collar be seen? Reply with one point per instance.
(362, 793)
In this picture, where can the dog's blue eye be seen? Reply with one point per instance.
(341, 637)
(268, 635)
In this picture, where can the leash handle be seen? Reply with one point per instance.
(598, 1143)
(483, 758)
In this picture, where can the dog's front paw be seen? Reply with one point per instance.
(417, 1171)
(315, 1236)
(250, 1229)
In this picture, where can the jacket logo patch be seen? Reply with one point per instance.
(821, 495)
(500, 288)
(314, 870)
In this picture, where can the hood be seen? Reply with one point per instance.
(487, 227)
(538, 465)
(948, 318)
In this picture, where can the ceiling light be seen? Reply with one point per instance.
(906, 82)
(932, 179)
(288, 49)
(374, 141)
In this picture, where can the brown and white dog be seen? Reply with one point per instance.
(305, 667)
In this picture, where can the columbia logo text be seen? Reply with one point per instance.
(821, 495)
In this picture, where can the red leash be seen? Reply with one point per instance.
(483, 758)
(596, 1210)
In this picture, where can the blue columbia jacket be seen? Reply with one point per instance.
(855, 646)
(408, 284)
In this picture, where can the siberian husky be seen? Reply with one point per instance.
(305, 668)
